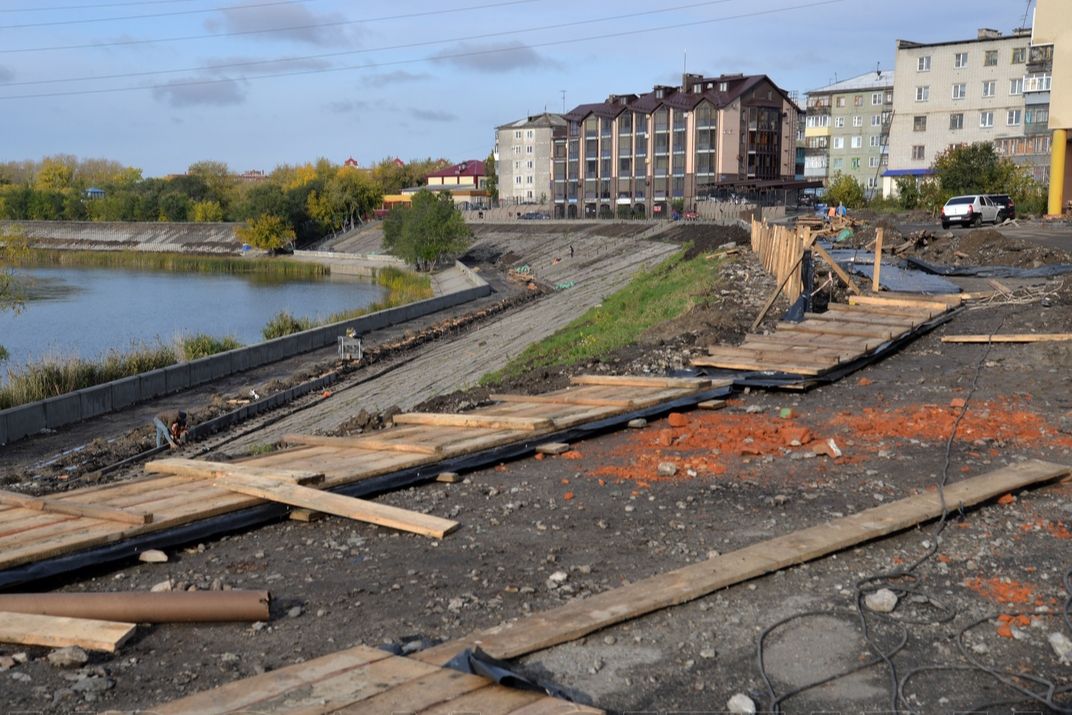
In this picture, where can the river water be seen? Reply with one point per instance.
(86, 312)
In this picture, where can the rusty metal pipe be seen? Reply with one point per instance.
(147, 607)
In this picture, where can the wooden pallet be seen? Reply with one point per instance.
(371, 682)
(178, 492)
(824, 341)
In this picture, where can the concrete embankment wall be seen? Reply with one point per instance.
(214, 238)
(50, 414)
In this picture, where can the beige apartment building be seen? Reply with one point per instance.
(635, 154)
(523, 158)
(847, 129)
(952, 93)
(1050, 63)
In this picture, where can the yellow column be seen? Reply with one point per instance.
(1057, 172)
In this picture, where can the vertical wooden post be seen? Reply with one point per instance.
(875, 286)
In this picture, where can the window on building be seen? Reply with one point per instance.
(839, 102)
(872, 161)
(876, 120)
(923, 64)
(839, 122)
(818, 142)
(517, 134)
(839, 142)
(989, 88)
(960, 91)
(885, 160)
(857, 142)
(986, 119)
(1037, 83)
(517, 166)
(530, 165)
(837, 163)
(990, 58)
(919, 152)
(872, 182)
(876, 98)
(923, 94)
(528, 150)
(1016, 86)
(517, 181)
(956, 121)
(1019, 55)
(1013, 118)
(876, 141)
(854, 163)
(919, 124)
(517, 150)
(960, 59)
(818, 121)
(858, 121)
(529, 134)
(1037, 116)
(858, 100)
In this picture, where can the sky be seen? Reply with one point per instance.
(161, 84)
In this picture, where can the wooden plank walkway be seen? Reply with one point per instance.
(178, 492)
(824, 341)
(367, 681)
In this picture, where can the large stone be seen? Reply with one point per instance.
(881, 601)
(69, 657)
(741, 703)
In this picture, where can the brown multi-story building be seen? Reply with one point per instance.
(635, 154)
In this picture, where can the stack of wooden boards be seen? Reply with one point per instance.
(176, 492)
(823, 341)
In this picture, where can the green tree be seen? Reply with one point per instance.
(907, 192)
(491, 178)
(845, 189)
(267, 232)
(220, 184)
(14, 247)
(978, 168)
(428, 230)
(55, 173)
(208, 212)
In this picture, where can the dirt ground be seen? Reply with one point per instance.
(971, 628)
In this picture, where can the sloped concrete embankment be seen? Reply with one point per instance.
(205, 238)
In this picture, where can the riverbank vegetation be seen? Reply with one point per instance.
(655, 296)
(55, 375)
(176, 262)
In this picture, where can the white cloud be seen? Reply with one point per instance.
(293, 22)
(200, 91)
(493, 57)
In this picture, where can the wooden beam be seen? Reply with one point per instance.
(1021, 338)
(337, 504)
(581, 617)
(680, 383)
(561, 399)
(875, 285)
(899, 302)
(374, 444)
(837, 269)
(60, 631)
(856, 330)
(742, 364)
(474, 420)
(212, 470)
(70, 508)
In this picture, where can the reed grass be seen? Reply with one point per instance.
(177, 262)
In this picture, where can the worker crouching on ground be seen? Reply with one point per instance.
(170, 426)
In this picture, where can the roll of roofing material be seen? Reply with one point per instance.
(147, 607)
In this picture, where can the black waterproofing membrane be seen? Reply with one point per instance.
(1057, 269)
(254, 516)
(897, 278)
(477, 662)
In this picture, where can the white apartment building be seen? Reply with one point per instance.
(847, 129)
(952, 93)
(523, 158)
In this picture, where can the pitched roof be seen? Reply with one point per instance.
(869, 80)
(472, 167)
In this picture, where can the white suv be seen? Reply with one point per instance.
(970, 210)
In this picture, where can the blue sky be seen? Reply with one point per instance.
(160, 84)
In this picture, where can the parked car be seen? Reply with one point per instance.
(1006, 207)
(969, 210)
(691, 215)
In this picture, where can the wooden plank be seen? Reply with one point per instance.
(370, 443)
(845, 344)
(250, 694)
(561, 399)
(59, 506)
(752, 365)
(681, 383)
(473, 420)
(212, 470)
(950, 299)
(485, 702)
(801, 356)
(579, 618)
(917, 315)
(307, 515)
(858, 330)
(440, 686)
(1020, 338)
(60, 632)
(898, 302)
(552, 448)
(553, 706)
(337, 504)
(877, 271)
(838, 317)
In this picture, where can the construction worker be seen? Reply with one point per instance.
(170, 426)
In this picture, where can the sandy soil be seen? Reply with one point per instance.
(602, 516)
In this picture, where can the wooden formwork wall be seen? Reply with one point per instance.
(780, 250)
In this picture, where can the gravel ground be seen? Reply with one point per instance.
(537, 533)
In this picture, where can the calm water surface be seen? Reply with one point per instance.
(86, 312)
